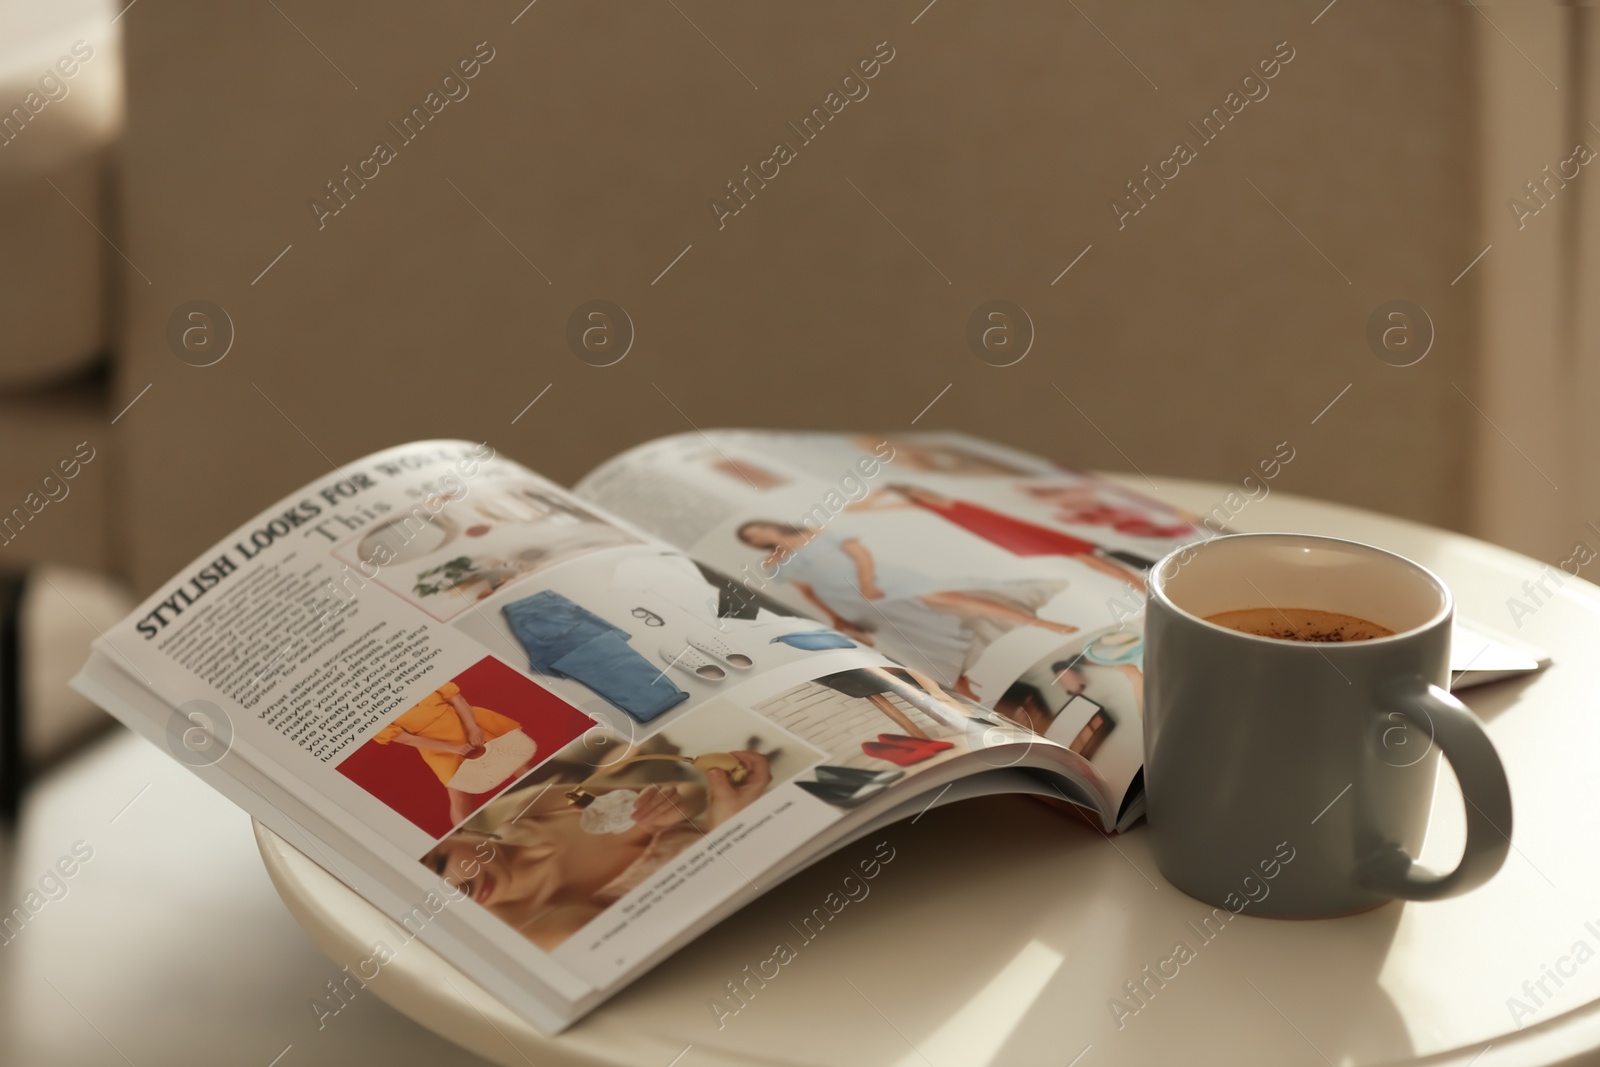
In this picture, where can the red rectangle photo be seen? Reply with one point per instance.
(459, 746)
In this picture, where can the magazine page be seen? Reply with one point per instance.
(502, 693)
(1011, 580)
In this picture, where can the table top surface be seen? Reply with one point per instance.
(1002, 930)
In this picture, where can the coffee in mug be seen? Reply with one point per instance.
(1300, 624)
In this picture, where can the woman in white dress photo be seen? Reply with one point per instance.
(941, 625)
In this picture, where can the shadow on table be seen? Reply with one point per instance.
(1492, 699)
(1003, 932)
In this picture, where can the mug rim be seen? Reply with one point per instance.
(1157, 590)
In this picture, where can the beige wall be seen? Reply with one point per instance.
(1195, 339)
(1538, 456)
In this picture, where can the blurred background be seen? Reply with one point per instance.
(242, 243)
(216, 153)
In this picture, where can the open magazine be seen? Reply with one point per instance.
(557, 734)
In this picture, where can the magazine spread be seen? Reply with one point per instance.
(558, 734)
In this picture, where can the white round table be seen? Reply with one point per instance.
(1002, 929)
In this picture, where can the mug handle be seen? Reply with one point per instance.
(1482, 778)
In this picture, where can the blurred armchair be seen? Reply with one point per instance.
(61, 96)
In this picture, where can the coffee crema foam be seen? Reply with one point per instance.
(1300, 624)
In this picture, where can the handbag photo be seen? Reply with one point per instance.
(500, 760)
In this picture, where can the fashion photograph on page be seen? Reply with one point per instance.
(451, 752)
(601, 817)
(642, 634)
(1079, 693)
(444, 555)
(956, 626)
(877, 724)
